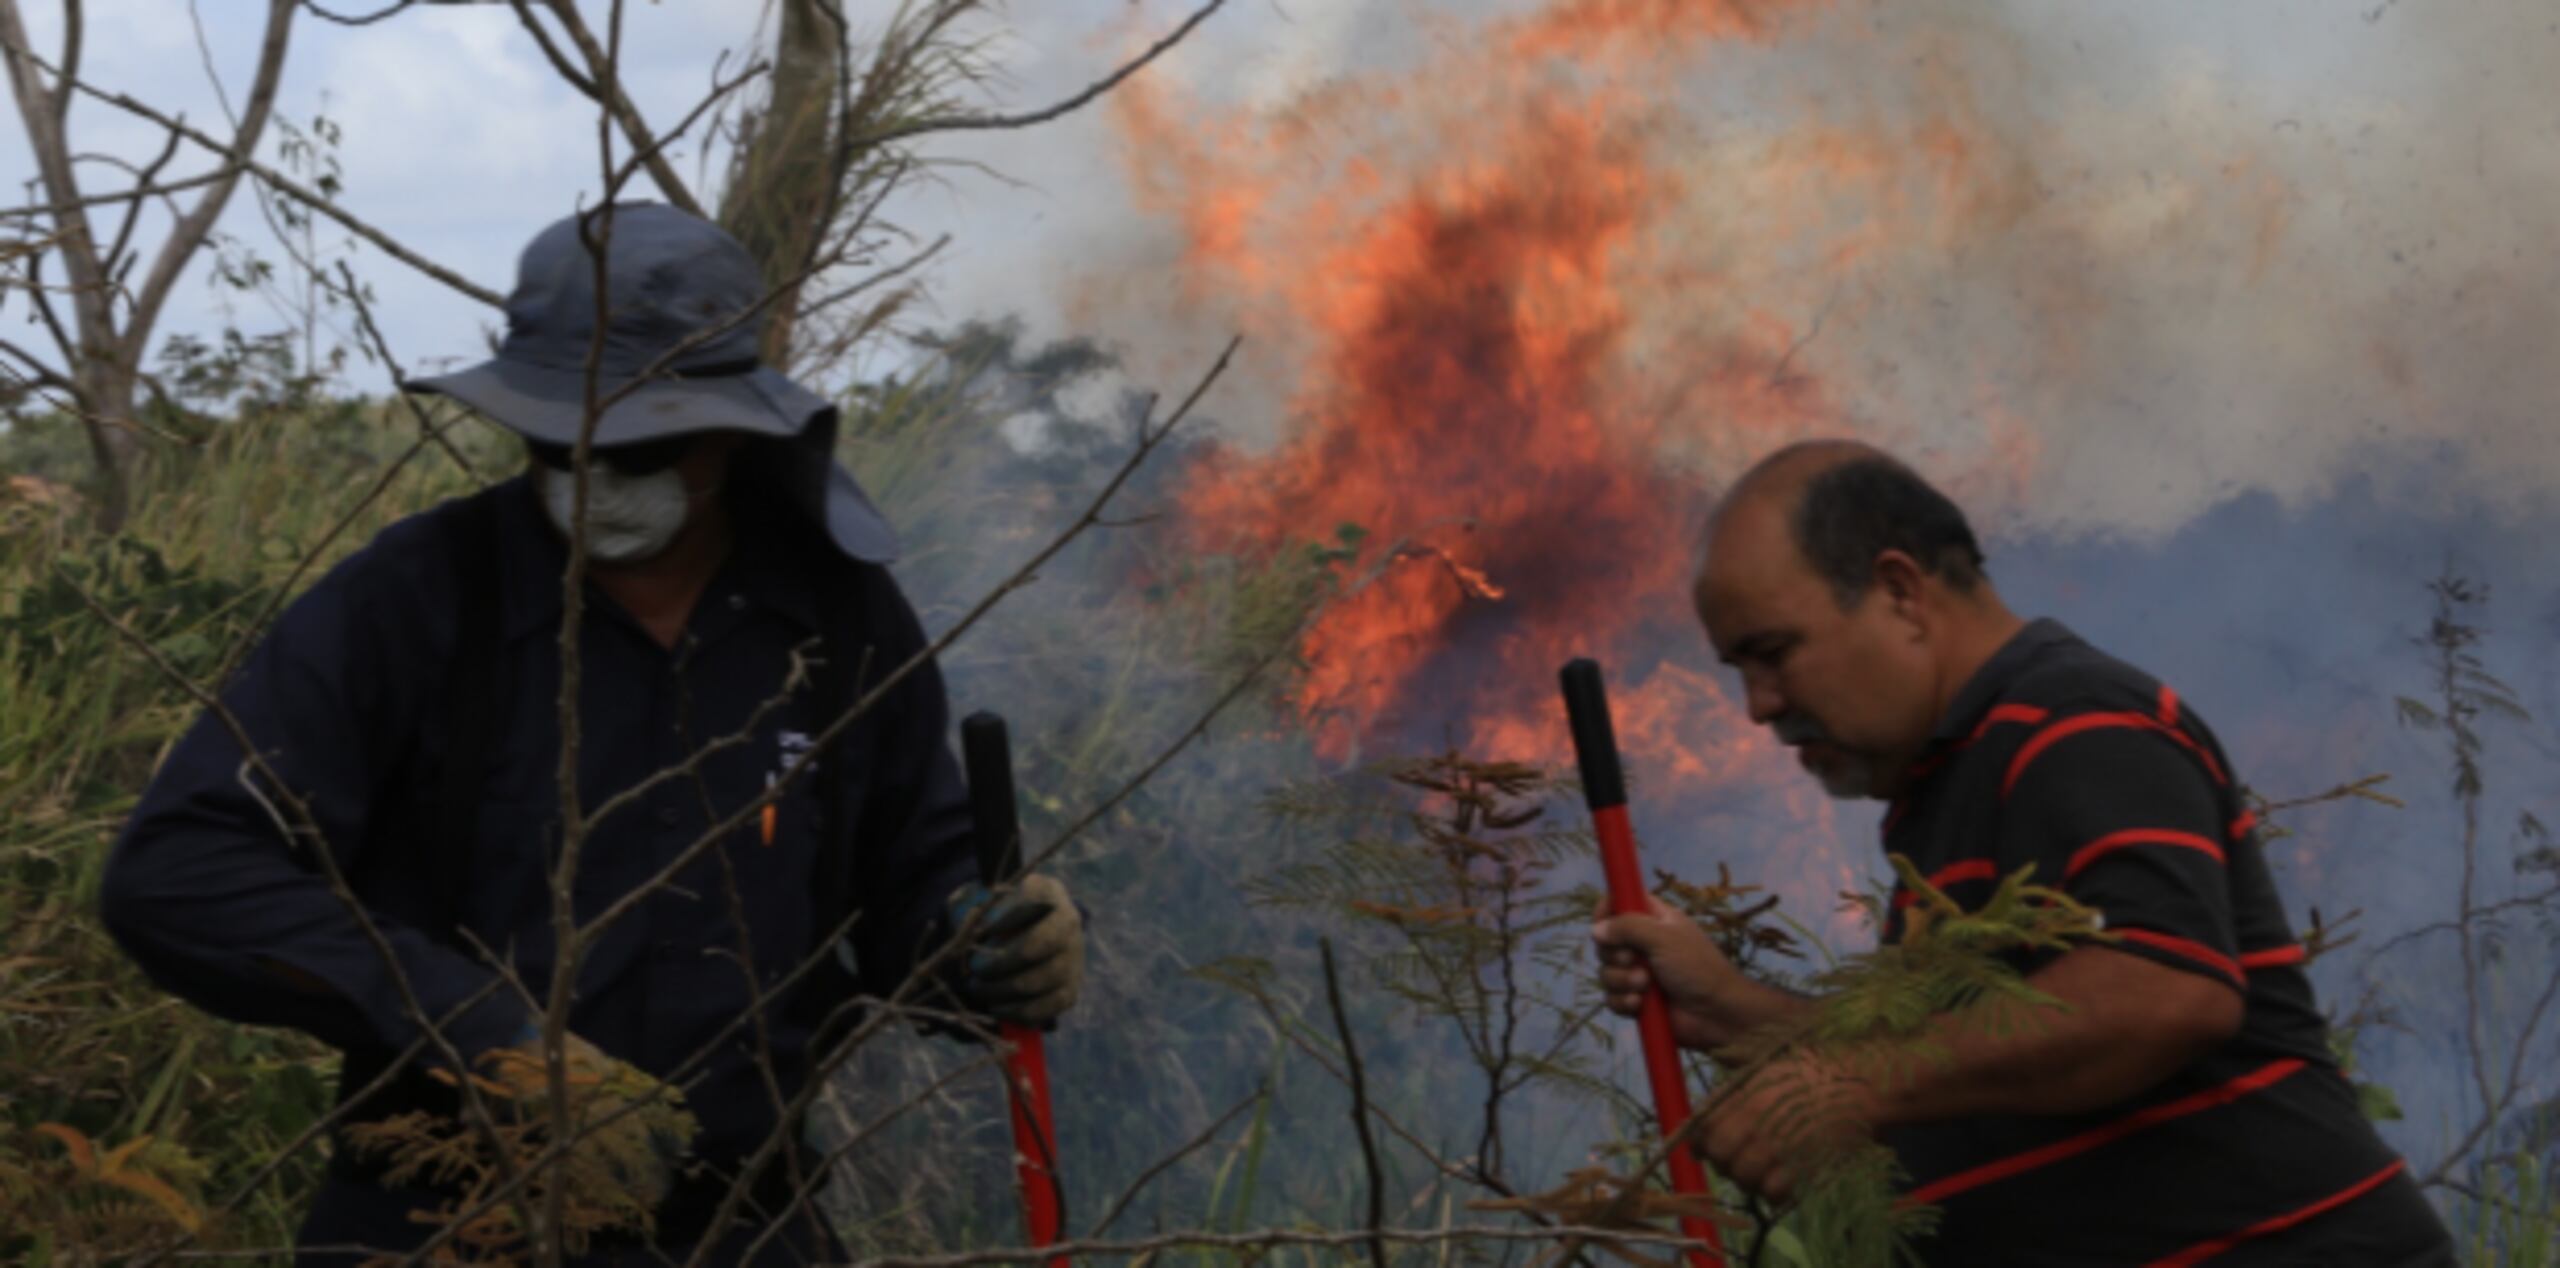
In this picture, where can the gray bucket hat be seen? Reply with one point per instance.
(683, 298)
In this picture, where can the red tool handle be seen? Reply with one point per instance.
(996, 828)
(1035, 1134)
(1604, 787)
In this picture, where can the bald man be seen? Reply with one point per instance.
(2183, 1106)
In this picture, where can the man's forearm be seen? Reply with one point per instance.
(2125, 1024)
(1749, 1006)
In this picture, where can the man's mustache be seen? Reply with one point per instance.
(1798, 730)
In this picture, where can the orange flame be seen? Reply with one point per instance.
(1457, 262)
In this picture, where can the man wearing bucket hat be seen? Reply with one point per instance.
(737, 601)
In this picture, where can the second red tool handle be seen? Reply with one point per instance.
(996, 827)
(1035, 1135)
(1604, 787)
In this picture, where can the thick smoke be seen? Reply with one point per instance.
(2102, 268)
(2227, 323)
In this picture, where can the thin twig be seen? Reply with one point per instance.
(983, 123)
(123, 196)
(362, 19)
(1268, 1239)
(1778, 372)
(551, 53)
(284, 590)
(2538, 898)
(805, 1192)
(295, 189)
(604, 61)
(1359, 1106)
(1169, 1161)
(1148, 442)
(365, 326)
(653, 154)
(1254, 1240)
(303, 826)
(595, 233)
(1296, 1038)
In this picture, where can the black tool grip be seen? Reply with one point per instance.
(1595, 741)
(995, 823)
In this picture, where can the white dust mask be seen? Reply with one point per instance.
(629, 517)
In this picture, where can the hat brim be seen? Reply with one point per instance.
(547, 405)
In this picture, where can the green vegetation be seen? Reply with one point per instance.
(161, 1112)
(1206, 1043)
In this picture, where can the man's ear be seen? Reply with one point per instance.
(1900, 580)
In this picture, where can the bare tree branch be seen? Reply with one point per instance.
(43, 304)
(1270, 1239)
(1146, 1248)
(1359, 1107)
(1149, 441)
(1169, 1161)
(804, 1192)
(889, 274)
(179, 248)
(75, 24)
(285, 589)
(37, 369)
(986, 123)
(360, 19)
(654, 153)
(2539, 898)
(49, 142)
(427, 428)
(295, 822)
(294, 189)
(608, 92)
(142, 179)
(551, 52)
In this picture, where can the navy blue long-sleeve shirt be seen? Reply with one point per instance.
(346, 699)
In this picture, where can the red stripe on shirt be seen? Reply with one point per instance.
(2203, 1251)
(2071, 726)
(2196, 951)
(2257, 1080)
(1962, 870)
(2244, 825)
(2275, 957)
(2027, 714)
(2168, 706)
(2130, 837)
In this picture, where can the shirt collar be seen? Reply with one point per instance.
(763, 569)
(1993, 678)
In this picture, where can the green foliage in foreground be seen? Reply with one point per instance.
(127, 1114)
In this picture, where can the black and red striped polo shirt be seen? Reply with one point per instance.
(2059, 755)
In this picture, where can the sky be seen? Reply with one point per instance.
(2276, 235)
(460, 141)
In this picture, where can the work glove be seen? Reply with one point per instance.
(647, 1145)
(1028, 962)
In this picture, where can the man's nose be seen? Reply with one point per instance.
(1762, 699)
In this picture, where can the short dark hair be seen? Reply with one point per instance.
(1853, 511)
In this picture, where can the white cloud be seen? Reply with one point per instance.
(2384, 270)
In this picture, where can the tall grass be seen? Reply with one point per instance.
(1105, 661)
(86, 1045)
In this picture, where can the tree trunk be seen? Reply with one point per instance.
(107, 392)
(781, 190)
(103, 351)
